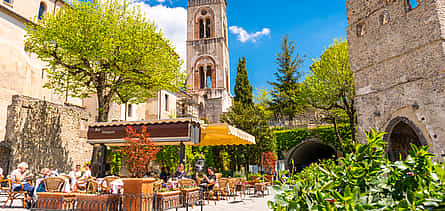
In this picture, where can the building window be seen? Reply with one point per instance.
(384, 18)
(42, 10)
(361, 29)
(201, 77)
(201, 29)
(129, 110)
(209, 77)
(166, 103)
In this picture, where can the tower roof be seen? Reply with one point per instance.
(192, 3)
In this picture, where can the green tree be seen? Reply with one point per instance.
(285, 93)
(243, 89)
(330, 85)
(263, 100)
(107, 48)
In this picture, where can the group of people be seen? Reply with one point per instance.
(207, 182)
(21, 178)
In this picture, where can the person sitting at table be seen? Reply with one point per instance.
(45, 172)
(180, 173)
(74, 175)
(87, 172)
(208, 181)
(1, 173)
(165, 174)
(20, 176)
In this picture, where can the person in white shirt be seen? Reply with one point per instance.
(20, 176)
(87, 171)
(1, 173)
(75, 174)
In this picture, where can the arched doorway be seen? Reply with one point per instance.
(5, 155)
(401, 133)
(308, 152)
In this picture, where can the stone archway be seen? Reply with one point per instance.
(310, 151)
(401, 132)
(5, 155)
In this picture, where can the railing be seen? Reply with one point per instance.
(122, 202)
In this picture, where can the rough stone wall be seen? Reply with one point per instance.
(45, 134)
(398, 64)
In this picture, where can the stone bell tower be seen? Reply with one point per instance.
(207, 63)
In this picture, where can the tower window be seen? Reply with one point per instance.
(42, 10)
(361, 29)
(384, 18)
(201, 77)
(412, 4)
(201, 29)
(208, 28)
(209, 81)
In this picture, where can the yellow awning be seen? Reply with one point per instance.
(224, 134)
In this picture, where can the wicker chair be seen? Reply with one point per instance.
(54, 184)
(222, 188)
(81, 184)
(6, 186)
(233, 182)
(106, 183)
(92, 186)
(185, 183)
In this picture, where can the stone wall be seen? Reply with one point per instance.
(398, 61)
(45, 134)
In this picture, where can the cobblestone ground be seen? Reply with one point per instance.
(251, 203)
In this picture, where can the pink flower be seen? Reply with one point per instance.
(410, 174)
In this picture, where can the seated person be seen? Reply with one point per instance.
(165, 174)
(74, 175)
(45, 173)
(1, 173)
(180, 173)
(209, 181)
(20, 175)
(87, 171)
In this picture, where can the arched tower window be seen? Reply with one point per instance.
(42, 10)
(205, 74)
(204, 23)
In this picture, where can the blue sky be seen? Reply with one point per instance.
(312, 24)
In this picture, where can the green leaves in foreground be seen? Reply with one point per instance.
(364, 180)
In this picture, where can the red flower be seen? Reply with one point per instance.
(330, 200)
(410, 174)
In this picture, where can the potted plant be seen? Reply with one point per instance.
(167, 197)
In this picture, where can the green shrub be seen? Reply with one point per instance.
(364, 180)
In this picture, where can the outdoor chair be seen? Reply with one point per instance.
(81, 184)
(209, 194)
(106, 183)
(221, 189)
(6, 186)
(233, 182)
(251, 182)
(54, 184)
(92, 186)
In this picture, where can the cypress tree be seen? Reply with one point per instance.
(243, 89)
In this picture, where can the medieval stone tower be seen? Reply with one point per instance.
(397, 54)
(208, 57)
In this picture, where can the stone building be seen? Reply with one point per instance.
(397, 54)
(207, 60)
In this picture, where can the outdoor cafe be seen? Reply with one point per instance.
(101, 191)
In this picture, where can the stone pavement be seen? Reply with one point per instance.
(251, 203)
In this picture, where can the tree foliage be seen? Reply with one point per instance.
(243, 89)
(105, 47)
(330, 86)
(285, 93)
(139, 152)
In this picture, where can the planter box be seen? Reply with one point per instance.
(138, 194)
(55, 201)
(167, 200)
(108, 202)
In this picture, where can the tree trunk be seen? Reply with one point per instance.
(103, 109)
(340, 142)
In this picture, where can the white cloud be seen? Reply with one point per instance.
(172, 21)
(244, 36)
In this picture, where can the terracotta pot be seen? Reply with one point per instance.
(138, 194)
(166, 200)
(108, 202)
(56, 201)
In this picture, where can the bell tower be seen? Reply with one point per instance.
(207, 62)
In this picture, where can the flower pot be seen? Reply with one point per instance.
(138, 194)
(56, 201)
(167, 200)
(107, 202)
